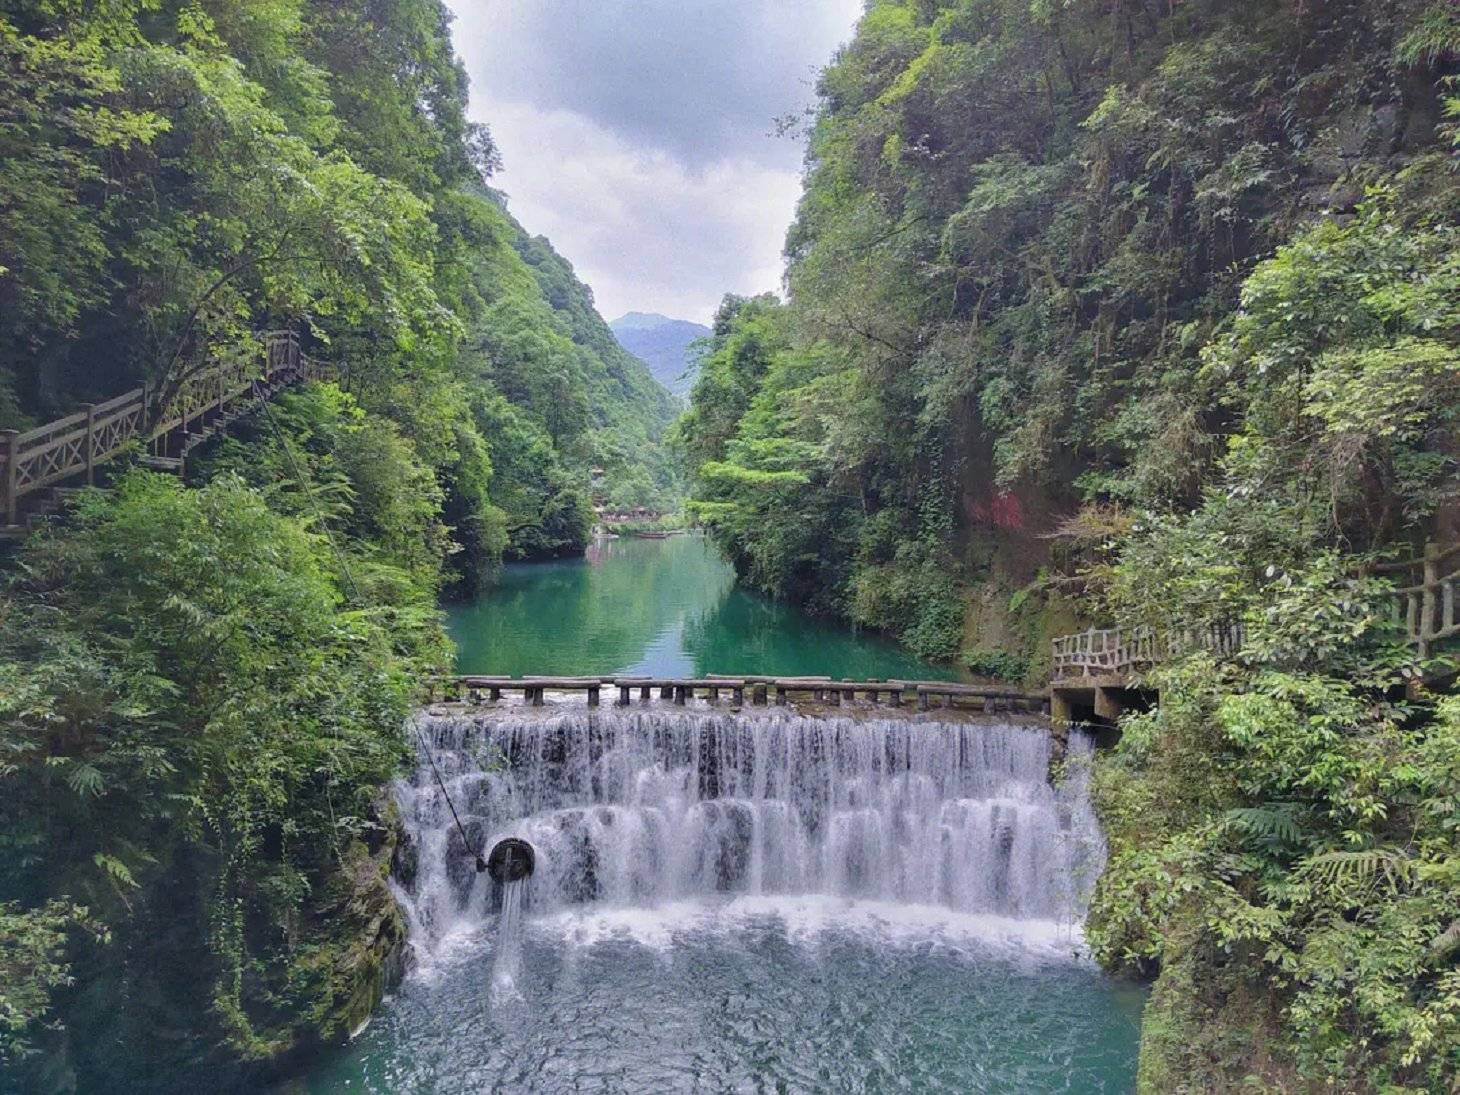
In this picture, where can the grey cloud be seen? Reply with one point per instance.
(699, 80)
(645, 231)
(637, 134)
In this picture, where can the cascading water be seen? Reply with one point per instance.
(750, 901)
(747, 901)
(643, 808)
(508, 963)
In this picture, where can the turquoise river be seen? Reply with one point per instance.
(733, 901)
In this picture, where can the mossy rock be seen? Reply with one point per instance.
(363, 955)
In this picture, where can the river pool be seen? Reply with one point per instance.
(735, 901)
(660, 608)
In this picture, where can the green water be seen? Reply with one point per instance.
(779, 1001)
(797, 993)
(661, 608)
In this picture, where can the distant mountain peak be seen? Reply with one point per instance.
(662, 343)
(641, 319)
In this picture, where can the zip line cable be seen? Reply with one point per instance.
(481, 864)
(431, 759)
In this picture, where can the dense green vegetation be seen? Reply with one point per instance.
(176, 177)
(203, 684)
(1146, 313)
(198, 727)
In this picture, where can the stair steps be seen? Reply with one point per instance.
(172, 464)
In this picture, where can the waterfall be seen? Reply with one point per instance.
(508, 963)
(644, 807)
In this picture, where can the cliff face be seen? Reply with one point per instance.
(1023, 229)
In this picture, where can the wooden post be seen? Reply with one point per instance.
(623, 695)
(894, 694)
(780, 695)
(836, 696)
(593, 695)
(758, 695)
(714, 694)
(738, 695)
(10, 438)
(644, 693)
(666, 691)
(90, 409)
(1427, 628)
(495, 693)
(680, 694)
(535, 695)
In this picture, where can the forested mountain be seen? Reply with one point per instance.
(203, 684)
(1146, 313)
(171, 187)
(664, 345)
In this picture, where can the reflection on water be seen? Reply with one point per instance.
(660, 607)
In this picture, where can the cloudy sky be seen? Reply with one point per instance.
(639, 135)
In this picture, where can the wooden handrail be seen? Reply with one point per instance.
(75, 444)
(1433, 553)
(1426, 610)
(1115, 651)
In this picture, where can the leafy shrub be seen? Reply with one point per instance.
(195, 728)
(1003, 665)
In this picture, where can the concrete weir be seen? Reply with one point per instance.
(759, 690)
(643, 805)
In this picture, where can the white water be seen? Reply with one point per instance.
(654, 817)
(508, 964)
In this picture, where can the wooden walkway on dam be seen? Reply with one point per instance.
(760, 691)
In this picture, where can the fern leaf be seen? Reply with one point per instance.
(85, 780)
(115, 869)
(1361, 868)
(1277, 822)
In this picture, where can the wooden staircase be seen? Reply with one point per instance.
(34, 463)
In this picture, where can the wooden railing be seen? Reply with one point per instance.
(1425, 608)
(73, 446)
(1118, 651)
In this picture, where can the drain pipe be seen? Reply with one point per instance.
(511, 860)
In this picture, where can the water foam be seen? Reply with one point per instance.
(650, 824)
(808, 920)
